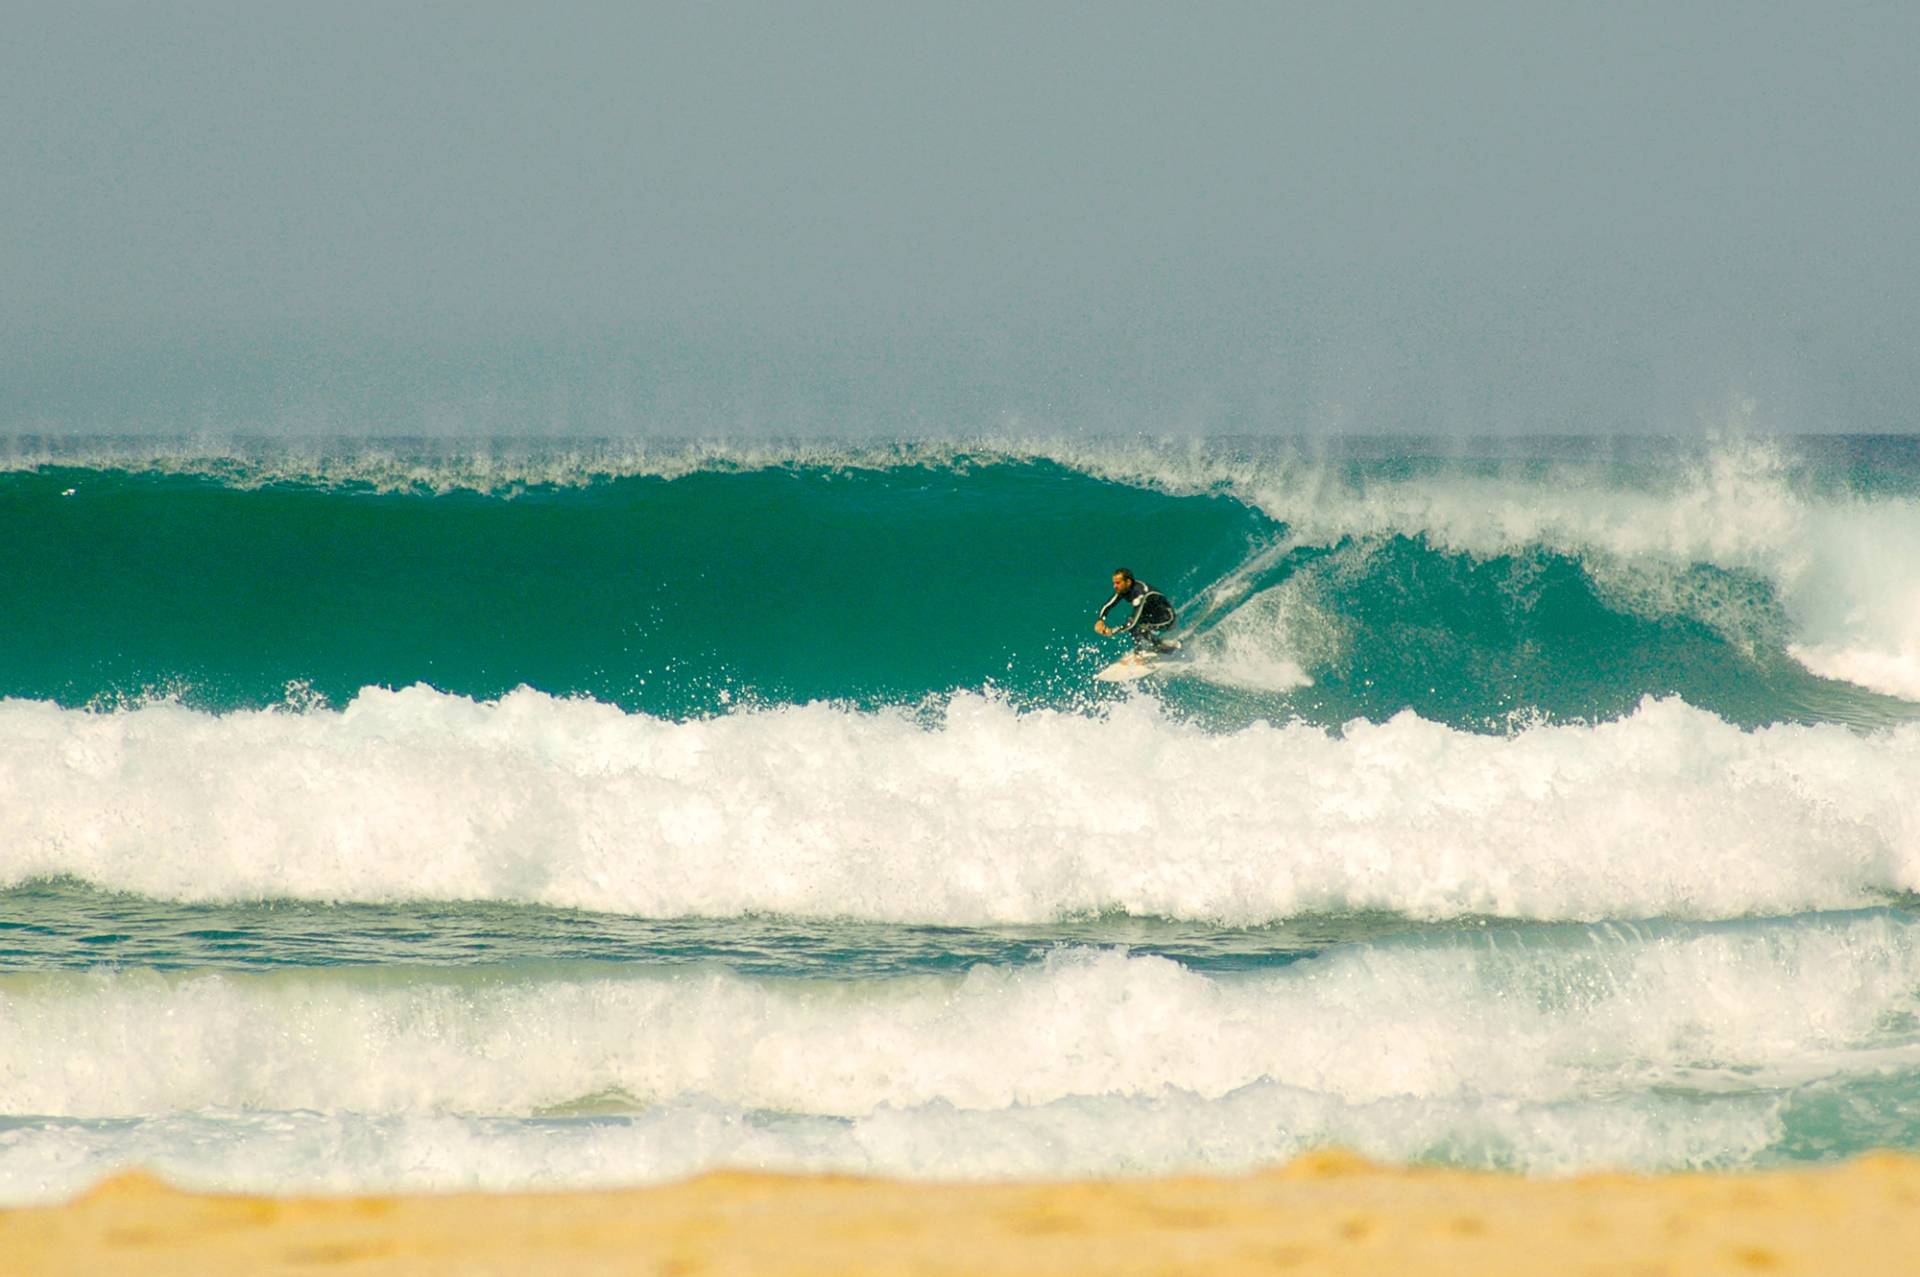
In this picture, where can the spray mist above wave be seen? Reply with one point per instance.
(968, 812)
(494, 467)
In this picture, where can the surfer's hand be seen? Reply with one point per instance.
(1100, 627)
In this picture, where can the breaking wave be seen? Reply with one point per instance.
(972, 811)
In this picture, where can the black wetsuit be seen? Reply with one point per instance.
(1152, 614)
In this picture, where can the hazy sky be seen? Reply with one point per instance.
(859, 217)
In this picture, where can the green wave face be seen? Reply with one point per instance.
(870, 585)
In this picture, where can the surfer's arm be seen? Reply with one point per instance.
(1100, 621)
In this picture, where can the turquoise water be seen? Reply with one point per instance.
(420, 814)
(869, 584)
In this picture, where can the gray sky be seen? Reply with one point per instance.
(869, 217)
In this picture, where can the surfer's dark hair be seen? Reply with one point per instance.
(1126, 572)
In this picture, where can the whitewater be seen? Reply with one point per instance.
(425, 814)
(975, 813)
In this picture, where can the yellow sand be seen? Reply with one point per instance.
(1327, 1213)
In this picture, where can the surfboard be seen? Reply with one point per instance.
(1137, 665)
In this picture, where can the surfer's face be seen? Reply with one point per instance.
(1122, 583)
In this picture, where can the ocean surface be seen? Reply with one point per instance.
(427, 814)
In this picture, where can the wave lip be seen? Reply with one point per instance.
(983, 814)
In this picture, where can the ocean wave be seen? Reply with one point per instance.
(969, 811)
(1651, 1046)
(1845, 567)
(1842, 561)
(1546, 1017)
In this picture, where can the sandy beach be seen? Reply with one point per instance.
(1325, 1213)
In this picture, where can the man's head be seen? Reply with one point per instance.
(1122, 580)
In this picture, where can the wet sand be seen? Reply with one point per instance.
(1325, 1213)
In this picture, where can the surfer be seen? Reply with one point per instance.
(1152, 614)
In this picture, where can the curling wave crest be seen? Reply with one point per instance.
(1845, 566)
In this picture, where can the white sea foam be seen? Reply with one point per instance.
(972, 812)
(1549, 1050)
(1553, 1018)
(49, 1160)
